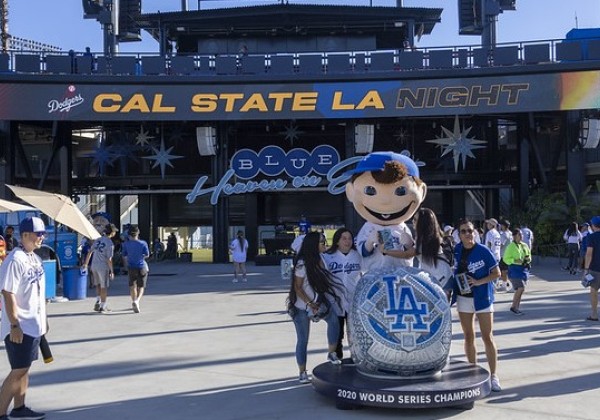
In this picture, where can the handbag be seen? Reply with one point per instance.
(322, 312)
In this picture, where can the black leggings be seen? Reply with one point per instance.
(573, 253)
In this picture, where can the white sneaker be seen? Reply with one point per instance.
(136, 307)
(234, 280)
(303, 378)
(495, 383)
(333, 359)
(244, 280)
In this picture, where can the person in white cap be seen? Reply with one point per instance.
(24, 322)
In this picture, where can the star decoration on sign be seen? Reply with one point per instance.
(143, 138)
(291, 132)
(458, 143)
(162, 157)
(123, 149)
(102, 156)
(401, 135)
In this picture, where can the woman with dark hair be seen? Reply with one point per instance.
(314, 295)
(473, 291)
(239, 251)
(430, 245)
(573, 238)
(343, 261)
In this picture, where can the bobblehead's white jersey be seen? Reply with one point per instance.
(396, 237)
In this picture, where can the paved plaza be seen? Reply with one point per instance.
(204, 348)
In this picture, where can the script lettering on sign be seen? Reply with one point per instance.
(303, 169)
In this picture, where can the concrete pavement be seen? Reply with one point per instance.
(205, 348)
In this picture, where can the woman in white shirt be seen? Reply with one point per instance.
(343, 261)
(239, 251)
(314, 295)
(573, 238)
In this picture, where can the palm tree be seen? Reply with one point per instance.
(4, 24)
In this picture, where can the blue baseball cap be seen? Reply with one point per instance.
(376, 162)
(32, 224)
(595, 221)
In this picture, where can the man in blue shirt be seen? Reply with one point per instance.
(135, 252)
(592, 265)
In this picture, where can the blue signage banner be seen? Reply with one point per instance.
(349, 99)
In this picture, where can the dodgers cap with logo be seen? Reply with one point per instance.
(376, 162)
(32, 224)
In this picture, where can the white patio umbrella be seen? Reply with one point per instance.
(59, 207)
(8, 207)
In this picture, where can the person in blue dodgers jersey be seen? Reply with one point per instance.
(592, 266)
(23, 285)
(343, 261)
(314, 294)
(135, 252)
(481, 268)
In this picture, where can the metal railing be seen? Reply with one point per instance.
(141, 64)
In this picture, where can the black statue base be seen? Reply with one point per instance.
(459, 385)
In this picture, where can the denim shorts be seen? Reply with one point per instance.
(20, 356)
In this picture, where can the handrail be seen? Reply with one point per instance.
(536, 52)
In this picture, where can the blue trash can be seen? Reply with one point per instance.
(50, 270)
(74, 283)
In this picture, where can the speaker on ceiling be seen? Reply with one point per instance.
(207, 140)
(363, 138)
(589, 133)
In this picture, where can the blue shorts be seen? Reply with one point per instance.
(20, 356)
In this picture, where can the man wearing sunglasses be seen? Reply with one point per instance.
(23, 286)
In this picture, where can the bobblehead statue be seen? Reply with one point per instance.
(400, 321)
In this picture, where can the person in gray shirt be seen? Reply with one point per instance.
(102, 266)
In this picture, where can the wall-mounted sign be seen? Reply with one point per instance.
(125, 100)
(273, 169)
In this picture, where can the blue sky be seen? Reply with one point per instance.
(61, 23)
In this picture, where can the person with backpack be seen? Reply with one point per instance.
(433, 250)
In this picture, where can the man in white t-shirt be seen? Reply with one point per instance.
(506, 238)
(23, 285)
(493, 241)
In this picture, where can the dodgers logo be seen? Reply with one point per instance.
(403, 307)
(401, 323)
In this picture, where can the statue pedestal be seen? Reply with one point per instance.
(459, 384)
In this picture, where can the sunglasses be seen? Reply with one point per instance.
(466, 231)
(38, 234)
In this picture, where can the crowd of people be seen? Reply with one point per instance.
(324, 279)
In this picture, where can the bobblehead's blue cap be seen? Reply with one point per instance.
(595, 221)
(32, 224)
(376, 162)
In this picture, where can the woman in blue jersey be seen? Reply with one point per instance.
(343, 261)
(480, 269)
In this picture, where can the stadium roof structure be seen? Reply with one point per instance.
(389, 26)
